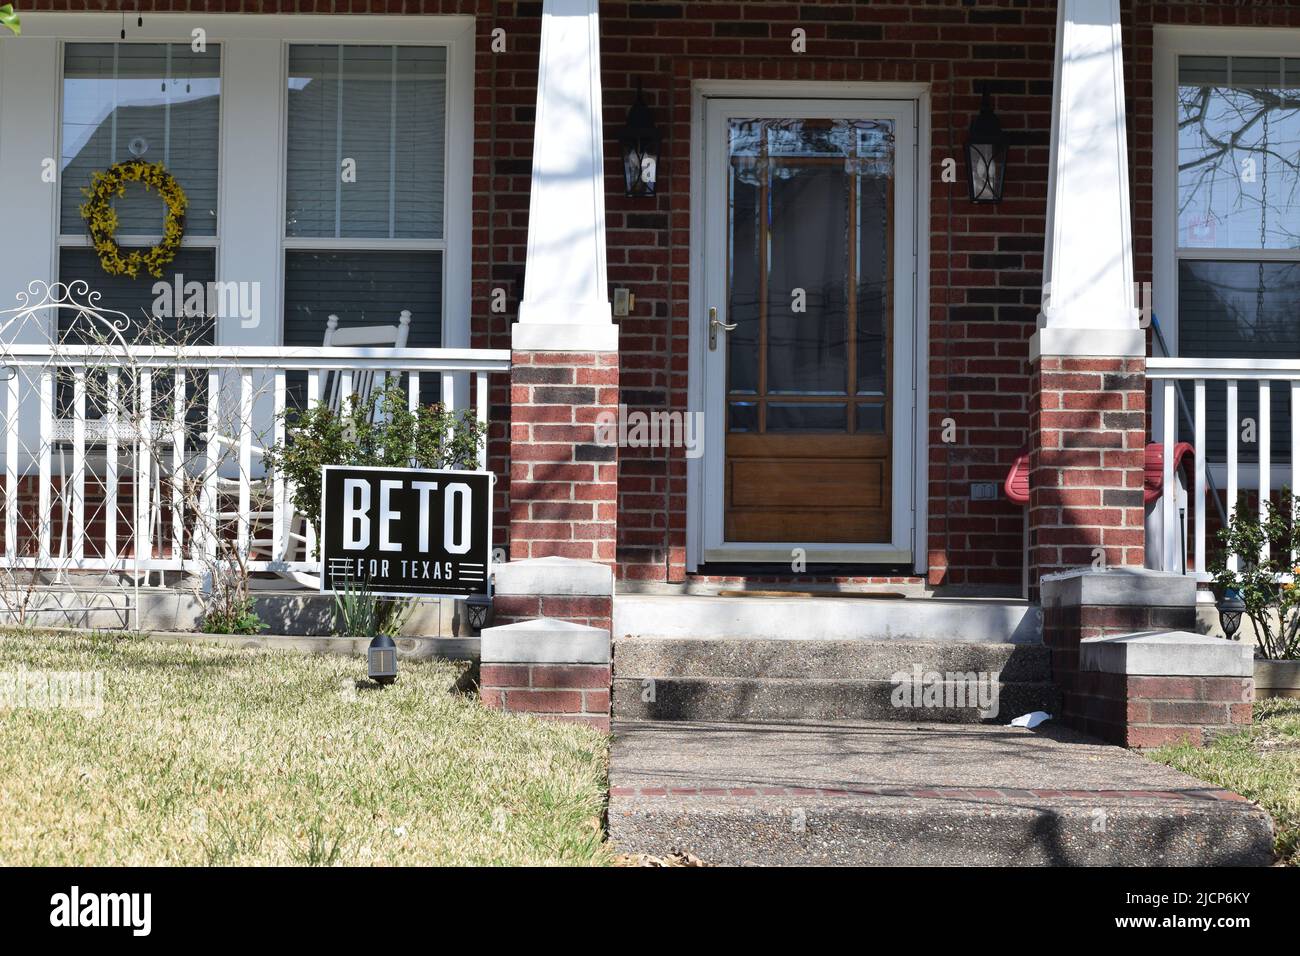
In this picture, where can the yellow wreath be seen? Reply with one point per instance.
(101, 218)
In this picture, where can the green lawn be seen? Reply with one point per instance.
(207, 755)
(1262, 764)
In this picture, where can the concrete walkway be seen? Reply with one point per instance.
(903, 794)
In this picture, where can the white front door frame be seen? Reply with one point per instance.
(908, 103)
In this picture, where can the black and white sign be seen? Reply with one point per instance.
(406, 531)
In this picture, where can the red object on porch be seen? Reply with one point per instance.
(1017, 483)
(1155, 467)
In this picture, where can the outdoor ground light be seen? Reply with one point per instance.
(640, 140)
(382, 658)
(479, 609)
(1231, 607)
(986, 155)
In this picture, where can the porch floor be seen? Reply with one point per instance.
(883, 793)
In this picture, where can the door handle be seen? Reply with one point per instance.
(714, 324)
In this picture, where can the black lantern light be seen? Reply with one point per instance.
(986, 155)
(640, 141)
(383, 660)
(479, 609)
(1231, 607)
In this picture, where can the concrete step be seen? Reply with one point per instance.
(891, 794)
(762, 699)
(737, 679)
(824, 659)
(827, 618)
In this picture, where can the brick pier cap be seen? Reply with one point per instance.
(550, 656)
(1160, 687)
(1118, 587)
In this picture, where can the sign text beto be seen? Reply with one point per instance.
(406, 531)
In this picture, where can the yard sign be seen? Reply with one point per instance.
(406, 531)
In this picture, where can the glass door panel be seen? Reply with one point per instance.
(810, 229)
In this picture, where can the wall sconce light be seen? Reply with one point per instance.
(640, 141)
(986, 155)
(382, 658)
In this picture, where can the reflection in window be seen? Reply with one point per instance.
(742, 417)
(158, 102)
(1238, 140)
(805, 417)
(1238, 179)
(809, 283)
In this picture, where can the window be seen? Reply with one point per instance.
(159, 102)
(1238, 223)
(256, 128)
(366, 181)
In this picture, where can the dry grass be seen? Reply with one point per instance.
(212, 756)
(1262, 764)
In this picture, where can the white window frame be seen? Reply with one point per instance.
(1172, 42)
(345, 244)
(76, 238)
(251, 240)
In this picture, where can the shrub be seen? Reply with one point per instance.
(233, 616)
(1266, 582)
(380, 431)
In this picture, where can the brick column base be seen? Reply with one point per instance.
(563, 481)
(549, 652)
(1087, 441)
(1147, 690)
(1086, 603)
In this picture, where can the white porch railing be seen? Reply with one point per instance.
(1260, 375)
(209, 446)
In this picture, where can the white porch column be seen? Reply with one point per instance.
(1088, 264)
(1087, 407)
(566, 300)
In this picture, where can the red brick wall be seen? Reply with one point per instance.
(97, 515)
(564, 484)
(1154, 711)
(985, 262)
(1065, 627)
(574, 693)
(1088, 447)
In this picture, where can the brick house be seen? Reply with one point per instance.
(860, 350)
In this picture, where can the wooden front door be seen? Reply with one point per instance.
(805, 333)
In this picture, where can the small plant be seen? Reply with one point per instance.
(359, 613)
(234, 616)
(1265, 582)
(379, 431)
